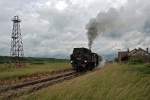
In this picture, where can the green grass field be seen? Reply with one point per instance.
(7, 72)
(113, 82)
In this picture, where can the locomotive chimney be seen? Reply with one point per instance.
(128, 50)
(147, 50)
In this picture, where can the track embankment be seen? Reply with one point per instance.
(34, 85)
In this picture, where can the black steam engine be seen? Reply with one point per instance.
(83, 59)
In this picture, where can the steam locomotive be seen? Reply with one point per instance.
(83, 59)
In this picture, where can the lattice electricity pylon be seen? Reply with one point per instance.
(16, 51)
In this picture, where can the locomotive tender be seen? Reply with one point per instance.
(83, 59)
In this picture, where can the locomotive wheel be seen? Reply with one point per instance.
(90, 66)
(77, 69)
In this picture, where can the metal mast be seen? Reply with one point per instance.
(16, 51)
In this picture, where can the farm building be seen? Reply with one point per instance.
(134, 55)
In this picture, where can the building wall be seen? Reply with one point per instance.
(136, 54)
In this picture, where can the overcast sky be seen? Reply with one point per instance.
(52, 28)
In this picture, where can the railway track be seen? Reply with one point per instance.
(29, 87)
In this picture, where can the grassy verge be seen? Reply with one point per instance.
(7, 72)
(114, 82)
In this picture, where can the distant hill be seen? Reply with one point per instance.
(7, 59)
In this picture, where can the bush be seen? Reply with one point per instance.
(136, 61)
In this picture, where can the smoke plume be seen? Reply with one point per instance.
(133, 16)
(92, 32)
(104, 22)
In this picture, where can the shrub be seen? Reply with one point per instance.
(136, 61)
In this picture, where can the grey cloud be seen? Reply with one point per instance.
(118, 22)
(48, 32)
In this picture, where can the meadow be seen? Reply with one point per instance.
(33, 66)
(113, 82)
